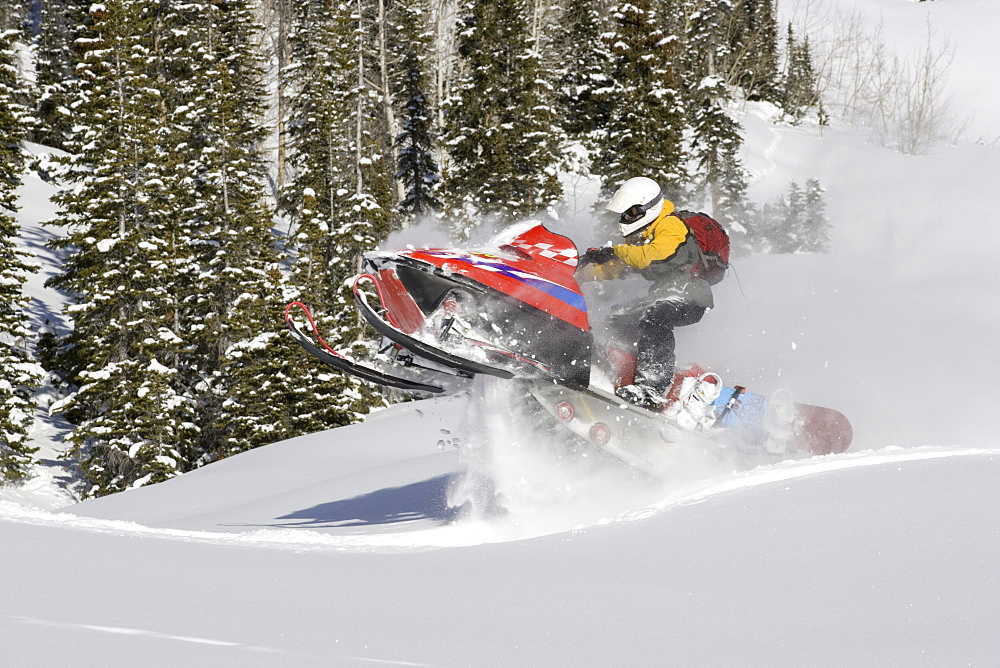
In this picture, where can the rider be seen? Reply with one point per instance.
(662, 249)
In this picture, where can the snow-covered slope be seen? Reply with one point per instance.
(885, 558)
(340, 548)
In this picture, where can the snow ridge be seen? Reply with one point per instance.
(476, 531)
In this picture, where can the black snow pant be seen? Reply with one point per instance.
(655, 355)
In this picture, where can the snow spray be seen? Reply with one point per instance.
(522, 471)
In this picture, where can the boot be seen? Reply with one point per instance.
(640, 394)
(693, 406)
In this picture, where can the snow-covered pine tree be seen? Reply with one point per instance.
(700, 26)
(752, 53)
(716, 146)
(319, 137)
(56, 27)
(581, 66)
(410, 41)
(501, 131)
(126, 270)
(265, 393)
(645, 131)
(138, 429)
(275, 389)
(786, 235)
(323, 398)
(19, 374)
(794, 223)
(717, 139)
(235, 304)
(815, 226)
(334, 148)
(800, 92)
(11, 16)
(337, 197)
(764, 223)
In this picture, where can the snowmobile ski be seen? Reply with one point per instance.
(346, 364)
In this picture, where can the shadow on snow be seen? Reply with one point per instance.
(425, 500)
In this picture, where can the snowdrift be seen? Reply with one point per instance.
(339, 549)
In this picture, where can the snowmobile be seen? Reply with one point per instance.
(515, 311)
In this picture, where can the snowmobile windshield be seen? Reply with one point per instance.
(511, 233)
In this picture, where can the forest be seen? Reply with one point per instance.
(220, 158)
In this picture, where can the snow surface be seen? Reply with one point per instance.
(341, 548)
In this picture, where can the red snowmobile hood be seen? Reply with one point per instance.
(527, 262)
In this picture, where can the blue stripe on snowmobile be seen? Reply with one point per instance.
(564, 295)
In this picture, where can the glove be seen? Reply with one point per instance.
(597, 256)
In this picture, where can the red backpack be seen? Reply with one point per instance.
(713, 242)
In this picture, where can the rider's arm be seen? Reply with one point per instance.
(665, 237)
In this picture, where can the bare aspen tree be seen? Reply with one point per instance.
(444, 53)
(359, 121)
(281, 51)
(392, 127)
(924, 104)
(275, 16)
(900, 99)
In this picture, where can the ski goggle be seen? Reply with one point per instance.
(633, 213)
(637, 211)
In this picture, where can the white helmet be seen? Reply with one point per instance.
(638, 202)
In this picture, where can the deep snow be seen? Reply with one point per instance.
(340, 548)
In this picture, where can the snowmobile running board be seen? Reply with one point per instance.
(344, 363)
(421, 349)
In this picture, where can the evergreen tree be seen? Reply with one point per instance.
(716, 145)
(752, 54)
(11, 17)
(786, 234)
(582, 59)
(136, 429)
(416, 166)
(815, 226)
(338, 196)
(702, 26)
(172, 263)
(801, 91)
(767, 221)
(795, 222)
(644, 134)
(501, 133)
(18, 372)
(260, 386)
(126, 270)
(334, 150)
(327, 399)
(58, 25)
(234, 305)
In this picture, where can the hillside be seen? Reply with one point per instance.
(341, 547)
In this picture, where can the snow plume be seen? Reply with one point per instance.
(522, 475)
(425, 232)
(584, 227)
(527, 477)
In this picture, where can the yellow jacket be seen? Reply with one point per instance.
(664, 255)
(666, 245)
(664, 238)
